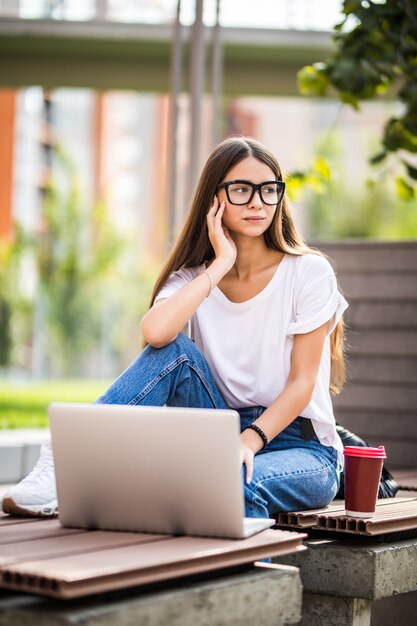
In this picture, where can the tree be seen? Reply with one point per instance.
(14, 307)
(378, 54)
(75, 251)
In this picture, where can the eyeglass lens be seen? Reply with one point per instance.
(240, 193)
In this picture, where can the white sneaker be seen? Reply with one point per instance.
(35, 495)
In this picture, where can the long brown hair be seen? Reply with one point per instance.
(193, 245)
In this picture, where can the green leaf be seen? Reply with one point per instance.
(313, 80)
(349, 98)
(378, 158)
(316, 184)
(351, 6)
(322, 168)
(294, 188)
(411, 170)
(396, 136)
(404, 190)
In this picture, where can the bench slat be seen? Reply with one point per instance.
(393, 370)
(391, 515)
(372, 256)
(377, 397)
(400, 314)
(100, 570)
(48, 547)
(399, 343)
(34, 529)
(357, 286)
(379, 425)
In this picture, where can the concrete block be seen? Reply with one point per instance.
(10, 462)
(19, 451)
(30, 456)
(319, 610)
(358, 570)
(270, 596)
(401, 610)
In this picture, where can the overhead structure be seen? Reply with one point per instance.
(103, 54)
(115, 55)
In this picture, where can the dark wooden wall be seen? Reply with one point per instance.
(379, 401)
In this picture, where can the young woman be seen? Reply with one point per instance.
(244, 315)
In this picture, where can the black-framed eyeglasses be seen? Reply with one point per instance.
(242, 191)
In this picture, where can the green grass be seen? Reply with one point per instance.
(25, 405)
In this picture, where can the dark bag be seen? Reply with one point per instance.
(387, 487)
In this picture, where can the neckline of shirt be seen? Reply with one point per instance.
(218, 293)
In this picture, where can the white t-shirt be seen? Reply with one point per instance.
(248, 344)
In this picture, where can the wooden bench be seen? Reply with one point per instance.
(132, 578)
(349, 582)
(379, 401)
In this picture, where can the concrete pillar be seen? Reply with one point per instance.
(176, 66)
(321, 609)
(7, 126)
(101, 10)
(197, 81)
(216, 76)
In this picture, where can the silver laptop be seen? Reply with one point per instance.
(150, 469)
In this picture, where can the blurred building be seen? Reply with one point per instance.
(83, 51)
(93, 77)
(117, 140)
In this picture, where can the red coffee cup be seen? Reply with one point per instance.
(363, 467)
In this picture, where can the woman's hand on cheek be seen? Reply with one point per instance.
(223, 245)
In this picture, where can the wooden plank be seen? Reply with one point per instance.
(379, 286)
(379, 425)
(382, 343)
(6, 520)
(370, 256)
(34, 530)
(103, 570)
(407, 479)
(391, 370)
(87, 541)
(304, 519)
(398, 314)
(391, 515)
(400, 454)
(377, 429)
(377, 397)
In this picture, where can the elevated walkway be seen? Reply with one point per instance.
(115, 55)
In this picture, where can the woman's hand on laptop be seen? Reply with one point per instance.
(250, 445)
(247, 459)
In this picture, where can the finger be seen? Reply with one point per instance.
(249, 469)
(220, 211)
(210, 219)
(215, 205)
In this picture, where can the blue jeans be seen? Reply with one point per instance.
(290, 474)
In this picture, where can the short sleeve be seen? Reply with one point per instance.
(318, 300)
(175, 282)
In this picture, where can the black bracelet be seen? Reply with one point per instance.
(261, 433)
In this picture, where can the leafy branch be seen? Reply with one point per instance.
(377, 55)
